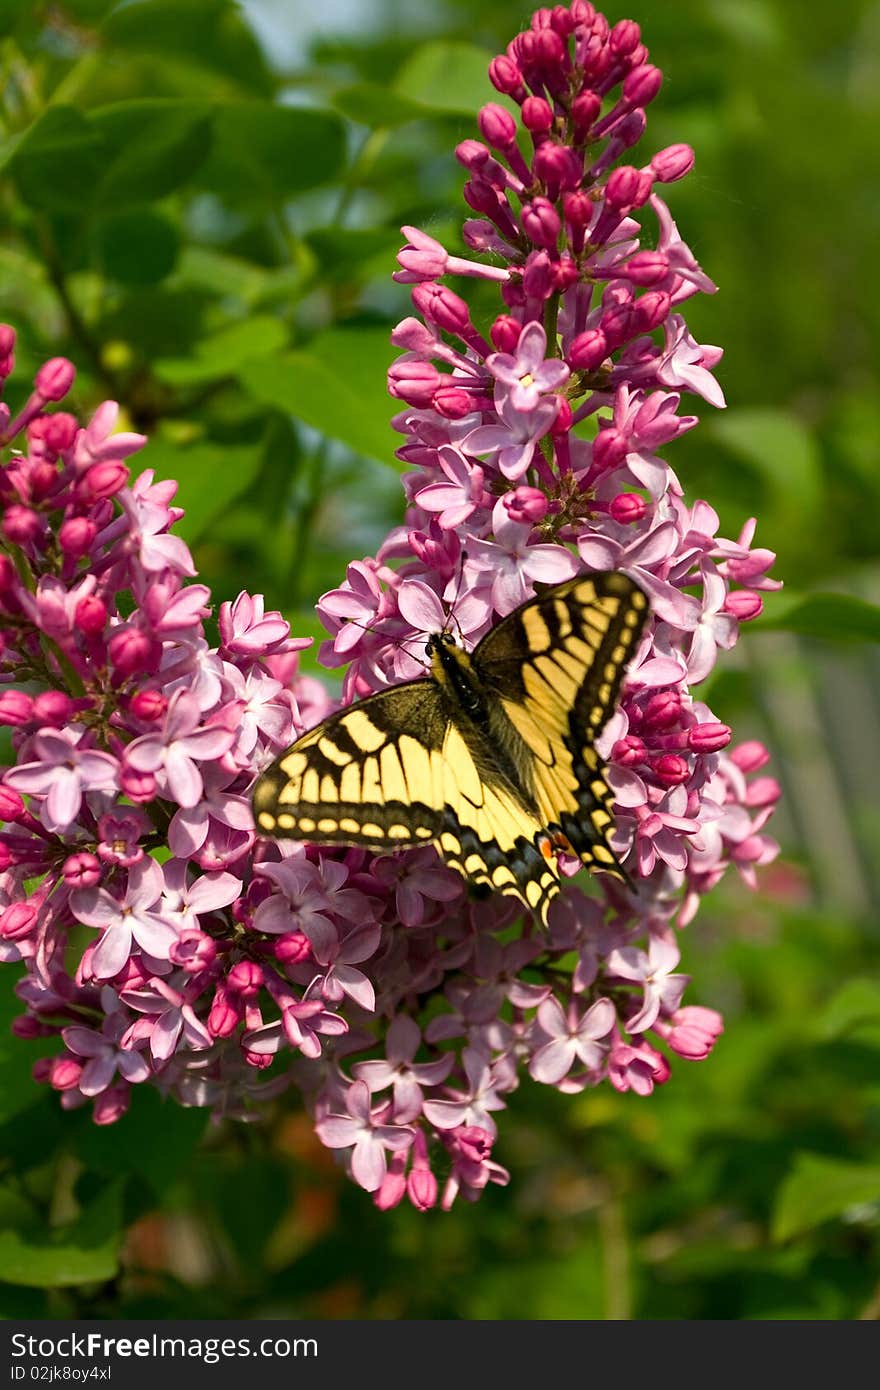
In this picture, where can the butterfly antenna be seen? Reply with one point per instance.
(452, 615)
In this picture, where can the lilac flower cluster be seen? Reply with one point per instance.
(162, 942)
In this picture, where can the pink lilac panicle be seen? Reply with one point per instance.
(372, 984)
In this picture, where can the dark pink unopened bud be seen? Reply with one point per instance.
(641, 85)
(42, 476)
(628, 751)
(750, 756)
(693, 1031)
(11, 805)
(148, 705)
(764, 791)
(622, 187)
(624, 37)
(414, 382)
(537, 115)
(497, 126)
(7, 340)
(578, 209)
(21, 525)
(258, 1060)
(54, 707)
(58, 432)
(610, 448)
(588, 350)
(16, 708)
(137, 786)
(670, 769)
(538, 280)
(193, 950)
(564, 416)
(111, 1105)
(133, 652)
(650, 310)
(8, 576)
(557, 165)
(224, 1015)
(672, 163)
(103, 480)
(91, 615)
(55, 378)
(30, 1028)
(76, 536)
(627, 508)
(663, 709)
(293, 947)
(617, 324)
(17, 921)
(82, 870)
(540, 222)
(550, 51)
(421, 1186)
(505, 333)
(41, 1069)
(525, 505)
(506, 77)
(646, 268)
(64, 1073)
(453, 403)
(585, 110)
(562, 20)
(440, 305)
(245, 979)
(744, 604)
(708, 738)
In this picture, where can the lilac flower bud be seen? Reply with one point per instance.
(564, 415)
(610, 448)
(538, 276)
(650, 310)
(708, 738)
(673, 163)
(537, 115)
(744, 604)
(193, 951)
(622, 187)
(137, 786)
(16, 708)
(692, 1031)
(21, 525)
(224, 1015)
(584, 111)
(627, 508)
(497, 126)
(505, 333)
(55, 708)
(506, 77)
(452, 403)
(540, 222)
(645, 268)
(64, 1073)
(11, 805)
(629, 751)
(414, 382)
(58, 431)
(55, 378)
(8, 577)
(18, 920)
(764, 791)
(111, 1105)
(663, 710)
(525, 505)
(618, 324)
(29, 1029)
(81, 870)
(670, 769)
(292, 948)
(91, 615)
(76, 536)
(421, 1186)
(562, 20)
(557, 166)
(578, 209)
(588, 351)
(440, 305)
(624, 37)
(7, 340)
(750, 756)
(245, 979)
(641, 85)
(102, 480)
(133, 652)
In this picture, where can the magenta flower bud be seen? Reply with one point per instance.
(588, 351)
(622, 187)
(91, 615)
(562, 20)
(11, 805)
(441, 306)
(540, 222)
(55, 708)
(557, 165)
(245, 979)
(193, 950)
(538, 276)
(103, 480)
(764, 791)
(29, 1029)
(624, 37)
(414, 382)
(744, 604)
(111, 1105)
(148, 705)
(76, 536)
(132, 652)
(81, 870)
(8, 576)
(16, 708)
(708, 738)
(452, 403)
(223, 1017)
(693, 1031)
(645, 268)
(670, 769)
(663, 709)
(421, 1187)
(293, 947)
(750, 756)
(627, 507)
(578, 209)
(64, 1073)
(506, 77)
(497, 126)
(628, 751)
(650, 310)
(550, 51)
(525, 505)
(58, 432)
(41, 1069)
(21, 525)
(505, 333)
(18, 921)
(617, 324)
(7, 340)
(258, 1060)
(610, 448)
(641, 85)
(564, 416)
(584, 111)
(673, 163)
(55, 378)
(137, 786)
(537, 115)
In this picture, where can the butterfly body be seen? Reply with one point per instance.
(491, 758)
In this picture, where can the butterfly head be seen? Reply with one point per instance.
(437, 641)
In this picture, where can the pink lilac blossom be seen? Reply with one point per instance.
(372, 983)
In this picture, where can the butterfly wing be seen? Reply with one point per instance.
(555, 666)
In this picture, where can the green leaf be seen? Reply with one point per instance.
(823, 615)
(821, 1189)
(155, 1139)
(83, 1251)
(372, 105)
(209, 33)
(211, 475)
(447, 75)
(17, 1056)
(336, 385)
(153, 146)
(137, 246)
(265, 154)
(782, 452)
(856, 1004)
(58, 160)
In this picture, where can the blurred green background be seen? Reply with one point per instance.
(200, 206)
